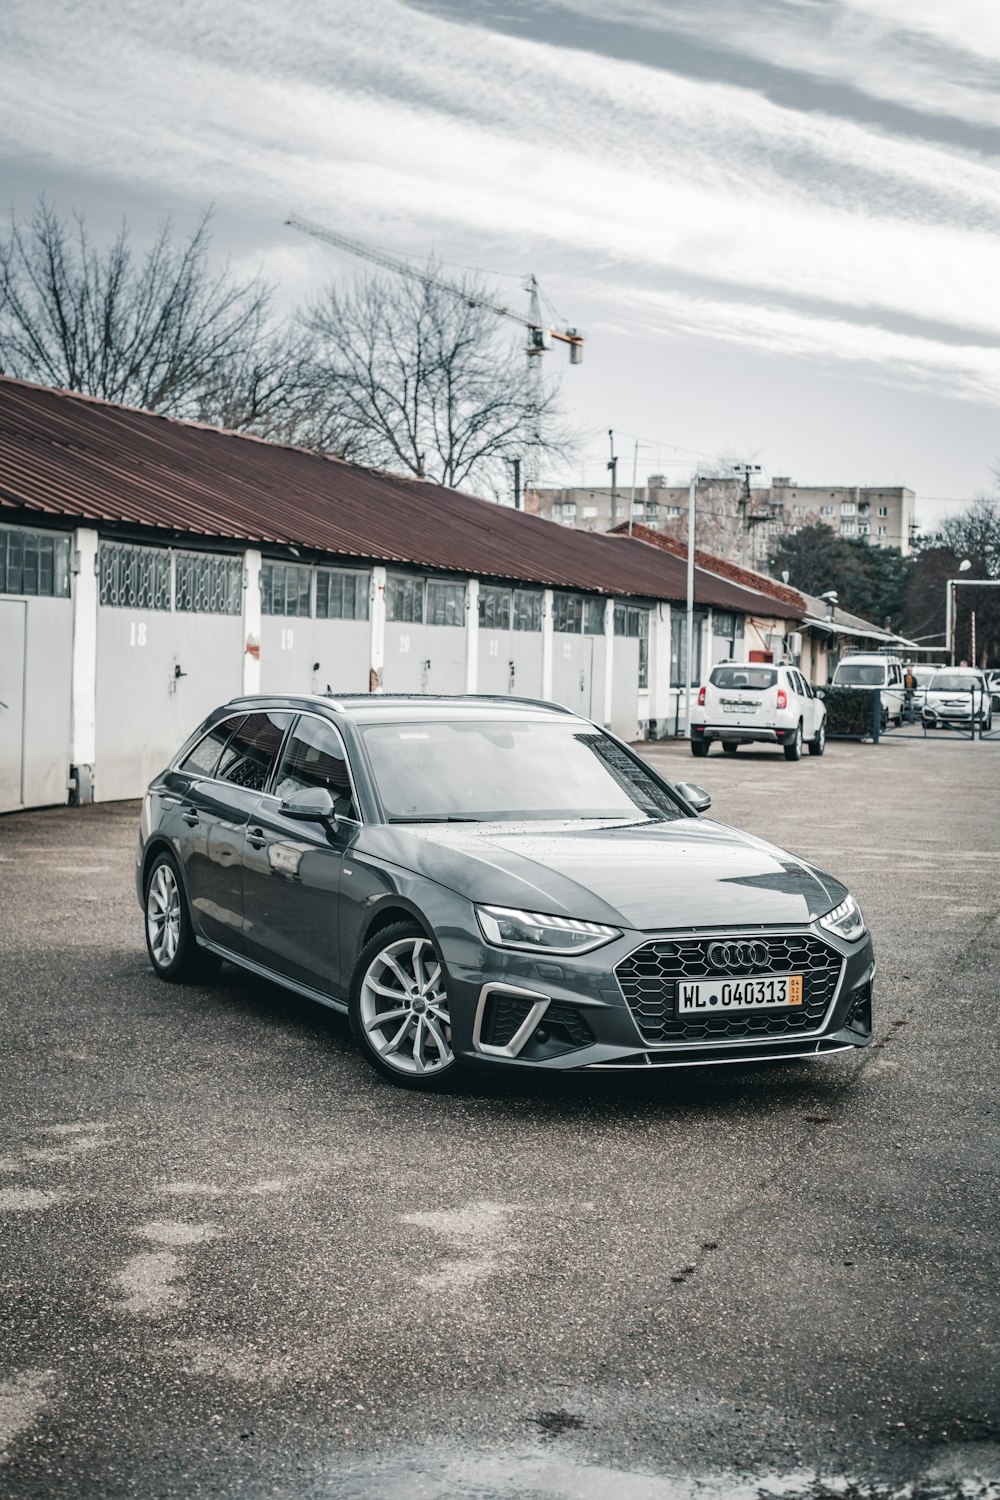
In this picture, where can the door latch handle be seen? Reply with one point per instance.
(256, 838)
(190, 818)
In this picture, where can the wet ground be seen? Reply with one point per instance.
(232, 1262)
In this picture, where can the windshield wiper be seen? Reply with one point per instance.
(434, 818)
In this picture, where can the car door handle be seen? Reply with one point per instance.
(256, 838)
(190, 817)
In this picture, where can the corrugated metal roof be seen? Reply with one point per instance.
(62, 454)
(720, 565)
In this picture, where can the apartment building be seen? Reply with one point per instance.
(732, 524)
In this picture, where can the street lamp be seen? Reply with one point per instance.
(949, 610)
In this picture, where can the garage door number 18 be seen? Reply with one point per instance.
(137, 633)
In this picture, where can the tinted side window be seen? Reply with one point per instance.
(314, 756)
(204, 758)
(251, 753)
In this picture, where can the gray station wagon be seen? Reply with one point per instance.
(490, 881)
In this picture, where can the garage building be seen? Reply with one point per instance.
(152, 568)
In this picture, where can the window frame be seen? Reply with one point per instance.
(298, 716)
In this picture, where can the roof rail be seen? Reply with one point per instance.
(345, 700)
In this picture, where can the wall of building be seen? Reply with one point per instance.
(110, 674)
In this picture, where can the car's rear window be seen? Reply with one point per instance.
(752, 679)
(860, 674)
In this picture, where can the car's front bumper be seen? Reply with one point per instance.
(571, 1014)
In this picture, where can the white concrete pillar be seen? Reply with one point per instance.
(547, 644)
(83, 682)
(659, 668)
(251, 620)
(609, 658)
(472, 636)
(377, 620)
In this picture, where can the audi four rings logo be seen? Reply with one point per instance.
(738, 955)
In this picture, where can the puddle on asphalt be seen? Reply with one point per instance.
(532, 1474)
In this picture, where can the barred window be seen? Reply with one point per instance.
(404, 599)
(593, 616)
(494, 608)
(32, 562)
(621, 619)
(527, 610)
(567, 613)
(342, 596)
(205, 584)
(445, 603)
(724, 623)
(134, 577)
(285, 589)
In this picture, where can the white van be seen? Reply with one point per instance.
(873, 670)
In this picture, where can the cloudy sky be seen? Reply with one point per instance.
(778, 221)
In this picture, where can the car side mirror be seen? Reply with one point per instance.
(314, 805)
(820, 693)
(694, 796)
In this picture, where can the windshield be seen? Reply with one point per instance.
(860, 674)
(953, 682)
(750, 679)
(482, 770)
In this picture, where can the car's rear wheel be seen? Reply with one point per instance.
(793, 749)
(170, 940)
(730, 746)
(700, 747)
(818, 745)
(399, 1008)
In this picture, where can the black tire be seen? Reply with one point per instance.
(793, 750)
(700, 748)
(414, 1028)
(170, 941)
(818, 745)
(730, 747)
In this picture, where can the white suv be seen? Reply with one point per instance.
(743, 702)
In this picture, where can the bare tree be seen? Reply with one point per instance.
(167, 331)
(412, 378)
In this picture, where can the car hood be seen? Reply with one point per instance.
(686, 873)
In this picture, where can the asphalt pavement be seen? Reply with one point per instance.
(235, 1263)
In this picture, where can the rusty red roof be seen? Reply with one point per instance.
(721, 565)
(86, 460)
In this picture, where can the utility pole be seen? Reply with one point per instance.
(613, 466)
(631, 498)
(689, 668)
(516, 465)
(743, 504)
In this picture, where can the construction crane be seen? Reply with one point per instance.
(540, 333)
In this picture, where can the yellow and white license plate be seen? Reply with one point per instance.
(702, 996)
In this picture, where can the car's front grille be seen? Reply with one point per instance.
(648, 978)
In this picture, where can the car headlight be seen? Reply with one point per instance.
(845, 920)
(536, 932)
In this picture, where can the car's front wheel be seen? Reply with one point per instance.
(818, 745)
(399, 1008)
(170, 940)
(793, 750)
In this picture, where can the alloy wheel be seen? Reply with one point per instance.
(163, 916)
(404, 1008)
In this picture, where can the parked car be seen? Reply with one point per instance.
(743, 703)
(993, 683)
(957, 696)
(490, 881)
(923, 675)
(860, 669)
